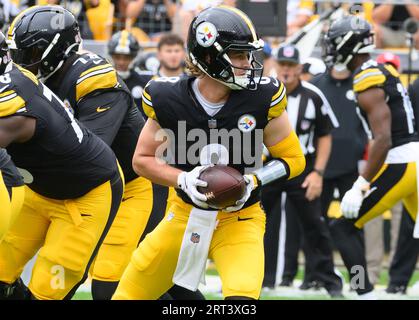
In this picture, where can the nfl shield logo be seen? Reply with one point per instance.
(305, 124)
(195, 237)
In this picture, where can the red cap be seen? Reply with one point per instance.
(388, 57)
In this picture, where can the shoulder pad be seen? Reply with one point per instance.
(277, 93)
(11, 103)
(368, 76)
(160, 88)
(94, 73)
(16, 87)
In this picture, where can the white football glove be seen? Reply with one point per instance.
(250, 186)
(352, 200)
(188, 182)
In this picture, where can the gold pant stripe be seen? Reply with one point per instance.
(65, 249)
(125, 232)
(405, 188)
(6, 209)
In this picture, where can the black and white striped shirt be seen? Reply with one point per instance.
(310, 114)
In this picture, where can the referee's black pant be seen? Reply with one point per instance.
(342, 183)
(285, 205)
(406, 254)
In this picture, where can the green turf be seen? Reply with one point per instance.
(211, 296)
(82, 296)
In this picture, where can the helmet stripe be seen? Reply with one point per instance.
(245, 18)
(123, 41)
(15, 20)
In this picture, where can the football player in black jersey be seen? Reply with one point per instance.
(73, 188)
(225, 96)
(391, 170)
(12, 192)
(45, 39)
(123, 49)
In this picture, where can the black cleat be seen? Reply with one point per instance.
(395, 289)
(286, 283)
(336, 294)
(307, 285)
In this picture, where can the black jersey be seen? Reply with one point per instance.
(101, 100)
(63, 158)
(372, 74)
(10, 174)
(233, 136)
(136, 82)
(349, 140)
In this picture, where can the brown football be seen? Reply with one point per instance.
(226, 185)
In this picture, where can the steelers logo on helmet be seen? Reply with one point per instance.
(246, 123)
(206, 34)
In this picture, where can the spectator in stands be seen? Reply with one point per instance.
(190, 8)
(154, 17)
(8, 10)
(388, 23)
(78, 9)
(119, 14)
(298, 14)
(268, 61)
(171, 55)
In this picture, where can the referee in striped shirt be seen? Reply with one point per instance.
(295, 204)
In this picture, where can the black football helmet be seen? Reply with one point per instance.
(42, 37)
(346, 38)
(123, 42)
(216, 31)
(5, 59)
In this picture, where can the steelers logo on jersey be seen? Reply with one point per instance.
(247, 123)
(206, 34)
(350, 95)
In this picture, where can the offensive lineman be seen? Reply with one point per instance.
(99, 99)
(73, 189)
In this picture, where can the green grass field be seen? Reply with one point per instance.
(212, 292)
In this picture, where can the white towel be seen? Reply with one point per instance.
(190, 269)
(416, 229)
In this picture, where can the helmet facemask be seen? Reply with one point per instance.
(339, 51)
(5, 57)
(42, 38)
(225, 73)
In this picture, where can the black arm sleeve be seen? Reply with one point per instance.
(414, 96)
(103, 113)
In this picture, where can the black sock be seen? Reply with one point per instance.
(103, 290)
